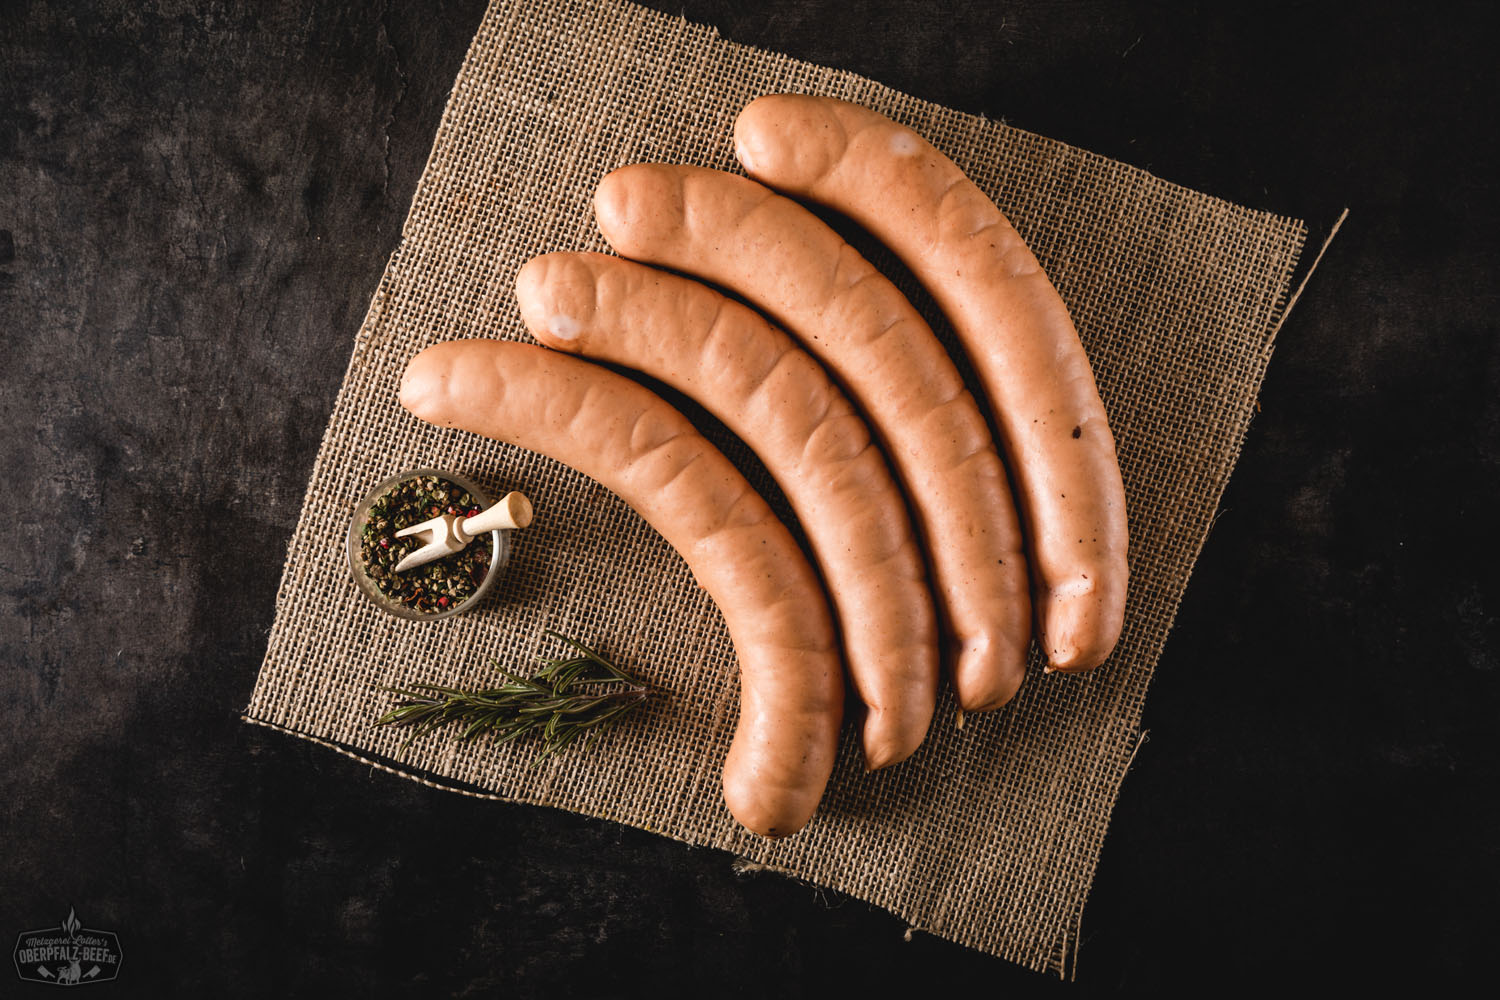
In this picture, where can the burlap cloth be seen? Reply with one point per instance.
(989, 836)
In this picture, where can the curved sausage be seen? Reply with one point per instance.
(632, 442)
(1013, 325)
(780, 402)
(778, 255)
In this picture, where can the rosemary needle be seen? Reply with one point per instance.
(568, 698)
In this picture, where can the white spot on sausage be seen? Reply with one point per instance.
(1073, 588)
(562, 327)
(905, 143)
(977, 645)
(745, 154)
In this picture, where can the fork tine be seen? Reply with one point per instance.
(439, 537)
(426, 554)
(417, 529)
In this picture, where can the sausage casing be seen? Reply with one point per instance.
(803, 275)
(782, 403)
(631, 441)
(1014, 327)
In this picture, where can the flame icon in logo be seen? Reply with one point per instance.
(71, 925)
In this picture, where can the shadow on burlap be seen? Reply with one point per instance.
(989, 836)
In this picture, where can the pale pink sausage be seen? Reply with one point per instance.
(779, 256)
(632, 442)
(1013, 325)
(780, 401)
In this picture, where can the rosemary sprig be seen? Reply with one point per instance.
(566, 699)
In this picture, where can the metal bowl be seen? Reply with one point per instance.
(499, 549)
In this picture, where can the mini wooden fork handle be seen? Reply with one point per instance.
(512, 512)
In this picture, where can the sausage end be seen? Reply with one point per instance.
(1079, 623)
(789, 140)
(638, 205)
(987, 674)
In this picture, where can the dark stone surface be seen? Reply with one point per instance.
(196, 202)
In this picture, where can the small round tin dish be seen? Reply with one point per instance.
(499, 549)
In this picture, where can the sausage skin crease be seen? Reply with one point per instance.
(639, 447)
(1013, 325)
(743, 236)
(782, 403)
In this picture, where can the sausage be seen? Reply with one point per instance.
(1012, 324)
(780, 401)
(632, 442)
(779, 256)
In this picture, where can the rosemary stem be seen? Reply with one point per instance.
(565, 698)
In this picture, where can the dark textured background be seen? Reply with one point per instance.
(196, 202)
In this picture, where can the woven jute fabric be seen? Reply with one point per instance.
(990, 834)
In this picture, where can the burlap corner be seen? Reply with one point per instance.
(990, 835)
